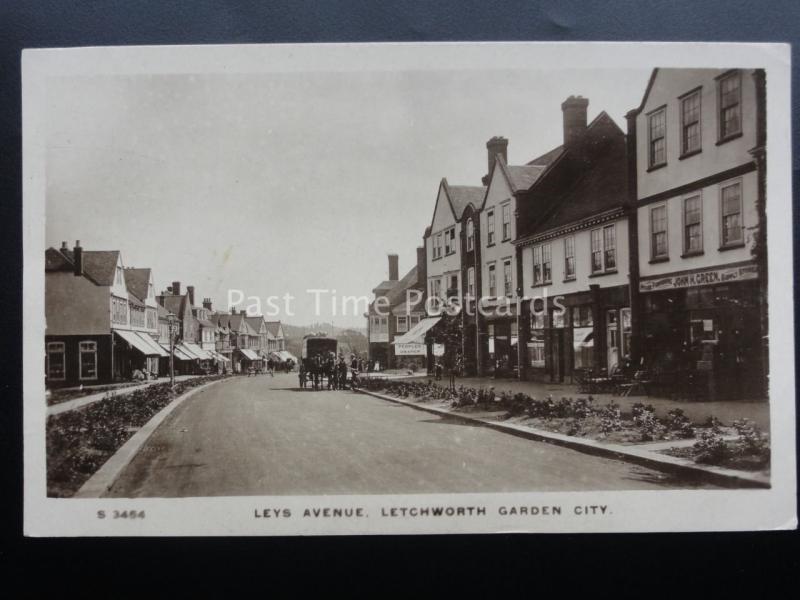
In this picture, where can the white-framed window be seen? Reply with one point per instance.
(597, 251)
(508, 284)
(490, 228)
(452, 287)
(471, 282)
(87, 360)
(610, 247)
(402, 324)
(542, 271)
(506, 222)
(437, 246)
(492, 280)
(569, 257)
(56, 362)
(731, 230)
(119, 310)
(690, 123)
(692, 224)
(413, 320)
(658, 232)
(450, 241)
(536, 348)
(657, 137)
(470, 235)
(436, 288)
(729, 100)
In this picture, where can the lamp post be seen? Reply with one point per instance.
(172, 321)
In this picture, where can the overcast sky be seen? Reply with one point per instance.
(278, 183)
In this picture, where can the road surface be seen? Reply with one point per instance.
(263, 436)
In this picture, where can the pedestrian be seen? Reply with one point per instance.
(302, 376)
(270, 366)
(438, 369)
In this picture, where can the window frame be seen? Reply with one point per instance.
(505, 226)
(490, 234)
(653, 256)
(538, 251)
(63, 352)
(508, 282)
(470, 235)
(471, 282)
(567, 255)
(723, 136)
(80, 360)
(698, 93)
(723, 245)
(449, 241)
(686, 250)
(603, 249)
(491, 278)
(651, 164)
(398, 327)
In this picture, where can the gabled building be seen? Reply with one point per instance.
(276, 340)
(572, 254)
(397, 306)
(90, 337)
(491, 261)
(697, 162)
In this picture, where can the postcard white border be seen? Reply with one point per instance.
(628, 511)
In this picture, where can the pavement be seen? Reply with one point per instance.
(68, 405)
(264, 436)
(697, 411)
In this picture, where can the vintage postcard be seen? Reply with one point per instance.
(407, 288)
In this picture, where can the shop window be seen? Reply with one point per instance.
(537, 320)
(702, 330)
(627, 331)
(582, 316)
(658, 232)
(536, 349)
(558, 318)
(692, 225)
(731, 199)
(569, 257)
(471, 282)
(657, 128)
(490, 332)
(690, 123)
(490, 228)
(88, 360)
(56, 365)
(583, 346)
(729, 99)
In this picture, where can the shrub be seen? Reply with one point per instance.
(679, 424)
(610, 418)
(751, 441)
(711, 448)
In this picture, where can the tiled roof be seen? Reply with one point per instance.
(137, 281)
(548, 157)
(524, 176)
(255, 322)
(177, 305)
(135, 301)
(462, 195)
(54, 260)
(274, 327)
(100, 265)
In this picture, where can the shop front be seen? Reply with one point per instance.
(584, 331)
(136, 354)
(703, 329)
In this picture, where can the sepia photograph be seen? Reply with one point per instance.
(407, 288)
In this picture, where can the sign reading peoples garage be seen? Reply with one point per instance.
(700, 278)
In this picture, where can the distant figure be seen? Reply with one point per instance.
(302, 376)
(438, 370)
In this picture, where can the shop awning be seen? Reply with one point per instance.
(249, 354)
(417, 333)
(153, 344)
(179, 354)
(222, 357)
(197, 351)
(134, 341)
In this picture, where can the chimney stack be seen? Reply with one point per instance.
(393, 268)
(497, 146)
(422, 266)
(190, 291)
(176, 288)
(64, 246)
(77, 257)
(207, 303)
(574, 109)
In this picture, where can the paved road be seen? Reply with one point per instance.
(262, 436)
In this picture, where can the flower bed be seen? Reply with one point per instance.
(582, 417)
(57, 396)
(80, 441)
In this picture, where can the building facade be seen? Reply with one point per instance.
(697, 163)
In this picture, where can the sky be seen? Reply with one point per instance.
(280, 183)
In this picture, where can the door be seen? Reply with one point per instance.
(612, 341)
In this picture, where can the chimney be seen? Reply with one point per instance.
(77, 257)
(176, 288)
(190, 291)
(64, 246)
(574, 109)
(207, 303)
(498, 145)
(393, 268)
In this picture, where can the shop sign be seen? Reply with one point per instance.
(710, 277)
(410, 350)
(438, 349)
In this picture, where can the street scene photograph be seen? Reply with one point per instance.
(324, 281)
